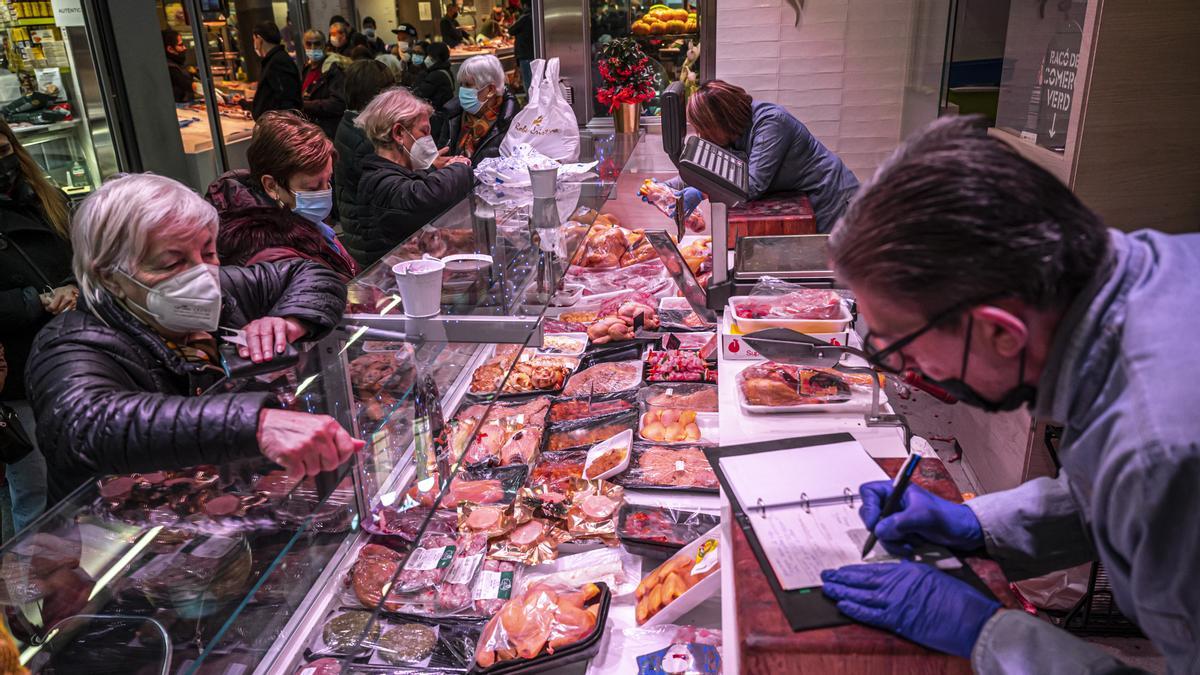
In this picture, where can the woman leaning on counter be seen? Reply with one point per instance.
(782, 154)
(407, 182)
(118, 384)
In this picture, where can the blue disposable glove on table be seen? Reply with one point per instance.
(922, 517)
(914, 601)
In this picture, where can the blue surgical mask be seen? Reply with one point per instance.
(469, 98)
(314, 205)
(316, 54)
(418, 59)
(370, 32)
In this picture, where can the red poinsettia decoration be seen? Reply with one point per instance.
(627, 74)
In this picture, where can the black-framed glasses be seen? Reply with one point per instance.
(891, 360)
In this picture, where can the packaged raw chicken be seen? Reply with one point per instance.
(669, 467)
(541, 621)
(605, 378)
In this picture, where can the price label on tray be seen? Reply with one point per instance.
(493, 585)
(424, 559)
(462, 569)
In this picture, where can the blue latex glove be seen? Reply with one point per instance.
(914, 601)
(691, 199)
(922, 517)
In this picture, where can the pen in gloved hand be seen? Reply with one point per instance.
(893, 501)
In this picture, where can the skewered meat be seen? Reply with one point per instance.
(678, 365)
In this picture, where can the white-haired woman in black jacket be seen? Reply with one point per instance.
(117, 385)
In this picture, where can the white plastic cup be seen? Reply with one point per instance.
(420, 283)
(544, 182)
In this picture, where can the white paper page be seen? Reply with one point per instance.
(800, 544)
(782, 476)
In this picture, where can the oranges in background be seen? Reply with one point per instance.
(663, 20)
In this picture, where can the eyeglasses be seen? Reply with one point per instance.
(891, 360)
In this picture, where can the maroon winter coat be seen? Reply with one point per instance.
(255, 229)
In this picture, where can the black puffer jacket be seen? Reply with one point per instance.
(489, 145)
(325, 98)
(32, 258)
(352, 147)
(395, 202)
(113, 398)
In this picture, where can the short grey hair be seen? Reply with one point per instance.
(112, 226)
(392, 106)
(480, 71)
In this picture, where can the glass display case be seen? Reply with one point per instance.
(239, 568)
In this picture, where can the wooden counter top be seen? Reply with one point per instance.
(768, 645)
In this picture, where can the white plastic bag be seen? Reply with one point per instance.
(547, 123)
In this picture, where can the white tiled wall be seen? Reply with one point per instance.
(842, 71)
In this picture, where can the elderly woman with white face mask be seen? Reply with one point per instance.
(479, 116)
(407, 182)
(117, 385)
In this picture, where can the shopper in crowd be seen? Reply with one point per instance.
(982, 271)
(783, 154)
(339, 36)
(373, 41)
(406, 39)
(322, 88)
(521, 31)
(279, 81)
(36, 285)
(407, 182)
(416, 68)
(280, 208)
(364, 81)
(453, 35)
(437, 85)
(361, 53)
(181, 77)
(493, 25)
(478, 118)
(119, 383)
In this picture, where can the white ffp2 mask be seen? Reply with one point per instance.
(190, 301)
(424, 150)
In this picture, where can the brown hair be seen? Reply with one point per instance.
(54, 204)
(284, 144)
(719, 111)
(364, 81)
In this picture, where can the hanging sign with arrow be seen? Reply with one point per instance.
(1059, 68)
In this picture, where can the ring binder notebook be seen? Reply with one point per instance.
(797, 502)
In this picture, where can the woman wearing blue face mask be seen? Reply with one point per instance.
(407, 182)
(479, 117)
(323, 85)
(280, 208)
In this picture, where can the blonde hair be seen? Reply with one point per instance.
(391, 107)
(480, 71)
(112, 226)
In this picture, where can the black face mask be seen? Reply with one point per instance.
(10, 173)
(958, 388)
(177, 57)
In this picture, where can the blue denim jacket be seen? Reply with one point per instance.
(1122, 378)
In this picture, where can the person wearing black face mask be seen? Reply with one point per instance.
(36, 285)
(980, 270)
(181, 77)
